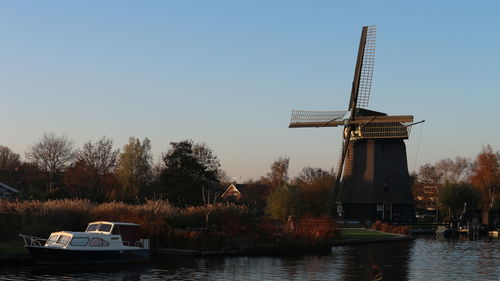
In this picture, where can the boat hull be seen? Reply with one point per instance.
(48, 255)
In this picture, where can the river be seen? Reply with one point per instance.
(424, 258)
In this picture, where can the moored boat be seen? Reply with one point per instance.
(102, 242)
(494, 233)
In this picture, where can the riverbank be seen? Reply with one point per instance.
(352, 236)
(15, 251)
(348, 236)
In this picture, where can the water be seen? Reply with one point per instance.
(424, 258)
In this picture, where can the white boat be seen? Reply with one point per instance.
(102, 242)
(493, 233)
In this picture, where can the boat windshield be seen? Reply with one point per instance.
(92, 227)
(63, 240)
(104, 227)
(52, 239)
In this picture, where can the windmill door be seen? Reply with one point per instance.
(387, 212)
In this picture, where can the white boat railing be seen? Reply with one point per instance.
(33, 240)
(143, 243)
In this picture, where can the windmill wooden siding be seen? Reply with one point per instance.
(376, 183)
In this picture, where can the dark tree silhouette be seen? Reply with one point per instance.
(455, 196)
(8, 159)
(189, 169)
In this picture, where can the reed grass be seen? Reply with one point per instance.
(157, 218)
(231, 225)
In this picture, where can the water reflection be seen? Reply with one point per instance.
(421, 259)
(368, 261)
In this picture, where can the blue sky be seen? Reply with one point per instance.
(228, 73)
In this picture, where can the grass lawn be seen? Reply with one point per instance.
(359, 233)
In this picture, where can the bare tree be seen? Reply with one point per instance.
(100, 156)
(446, 171)
(8, 159)
(456, 170)
(309, 174)
(208, 203)
(429, 175)
(51, 154)
(279, 172)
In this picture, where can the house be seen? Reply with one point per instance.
(7, 192)
(254, 195)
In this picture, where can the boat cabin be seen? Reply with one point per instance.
(100, 235)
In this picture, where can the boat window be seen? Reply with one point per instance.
(104, 227)
(116, 230)
(63, 240)
(92, 227)
(98, 242)
(79, 241)
(52, 239)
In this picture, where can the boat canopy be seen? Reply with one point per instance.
(130, 232)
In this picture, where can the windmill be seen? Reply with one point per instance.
(372, 176)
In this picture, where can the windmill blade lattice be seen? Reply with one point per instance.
(365, 80)
(316, 116)
(383, 130)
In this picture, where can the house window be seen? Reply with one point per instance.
(386, 185)
(380, 207)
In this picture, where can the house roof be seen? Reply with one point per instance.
(9, 188)
(243, 189)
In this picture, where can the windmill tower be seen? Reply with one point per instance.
(372, 176)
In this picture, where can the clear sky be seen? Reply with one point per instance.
(228, 73)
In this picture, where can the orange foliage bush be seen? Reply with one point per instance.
(385, 227)
(316, 228)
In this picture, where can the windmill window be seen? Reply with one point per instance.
(386, 185)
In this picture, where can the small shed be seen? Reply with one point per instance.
(7, 192)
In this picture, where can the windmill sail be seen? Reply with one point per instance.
(360, 93)
(304, 118)
(363, 73)
(365, 79)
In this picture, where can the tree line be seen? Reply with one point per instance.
(460, 184)
(187, 174)
(54, 168)
(189, 171)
